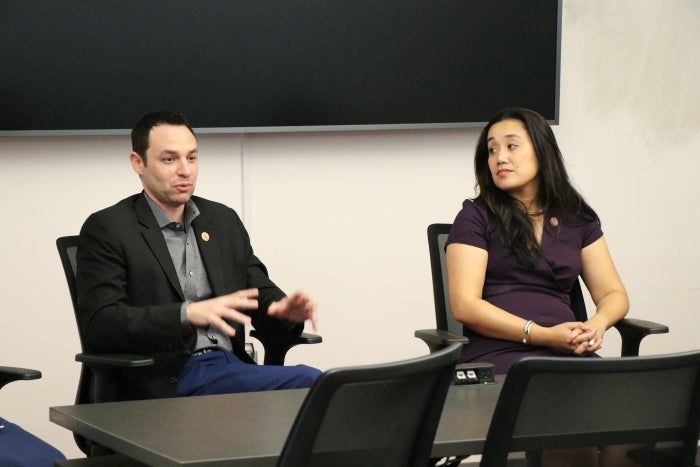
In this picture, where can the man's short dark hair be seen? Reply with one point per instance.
(142, 128)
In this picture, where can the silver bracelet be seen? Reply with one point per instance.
(528, 329)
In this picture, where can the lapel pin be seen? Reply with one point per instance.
(554, 221)
(205, 236)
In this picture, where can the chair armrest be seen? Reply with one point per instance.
(105, 368)
(9, 374)
(307, 338)
(114, 360)
(633, 330)
(275, 352)
(437, 339)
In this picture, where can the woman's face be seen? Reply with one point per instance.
(512, 159)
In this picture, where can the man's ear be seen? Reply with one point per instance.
(137, 162)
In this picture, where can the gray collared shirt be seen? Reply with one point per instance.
(182, 245)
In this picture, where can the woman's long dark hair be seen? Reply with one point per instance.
(557, 197)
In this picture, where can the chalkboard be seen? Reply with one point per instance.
(94, 66)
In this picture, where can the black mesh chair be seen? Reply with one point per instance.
(381, 415)
(450, 330)
(619, 400)
(99, 372)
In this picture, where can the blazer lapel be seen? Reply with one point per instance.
(208, 240)
(154, 238)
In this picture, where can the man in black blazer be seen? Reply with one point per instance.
(172, 275)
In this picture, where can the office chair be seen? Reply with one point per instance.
(99, 372)
(450, 330)
(18, 447)
(380, 415)
(619, 400)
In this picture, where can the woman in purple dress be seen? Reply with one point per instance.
(514, 251)
(513, 255)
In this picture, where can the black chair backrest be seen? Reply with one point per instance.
(617, 401)
(378, 415)
(437, 239)
(67, 251)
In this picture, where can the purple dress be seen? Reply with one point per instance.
(539, 293)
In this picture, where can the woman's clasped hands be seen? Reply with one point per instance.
(573, 338)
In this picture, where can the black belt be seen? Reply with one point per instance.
(203, 351)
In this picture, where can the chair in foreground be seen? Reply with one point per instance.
(98, 374)
(567, 402)
(450, 330)
(17, 446)
(380, 415)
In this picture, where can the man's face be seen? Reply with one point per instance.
(170, 172)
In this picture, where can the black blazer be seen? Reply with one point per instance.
(129, 295)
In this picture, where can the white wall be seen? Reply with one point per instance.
(343, 214)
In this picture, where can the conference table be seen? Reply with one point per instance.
(246, 429)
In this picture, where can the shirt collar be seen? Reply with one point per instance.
(163, 219)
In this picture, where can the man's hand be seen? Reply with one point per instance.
(298, 308)
(217, 311)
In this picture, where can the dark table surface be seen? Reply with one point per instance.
(246, 429)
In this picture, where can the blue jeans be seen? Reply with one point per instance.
(221, 372)
(19, 448)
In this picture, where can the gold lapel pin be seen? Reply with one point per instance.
(205, 236)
